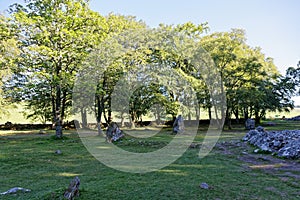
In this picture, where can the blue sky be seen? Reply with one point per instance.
(273, 25)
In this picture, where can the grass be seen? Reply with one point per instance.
(27, 160)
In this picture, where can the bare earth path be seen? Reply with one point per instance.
(286, 170)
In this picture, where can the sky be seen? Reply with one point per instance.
(273, 25)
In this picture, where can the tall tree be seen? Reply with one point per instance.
(249, 77)
(56, 35)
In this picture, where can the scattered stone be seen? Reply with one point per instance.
(256, 150)
(42, 132)
(250, 124)
(204, 186)
(178, 125)
(73, 189)
(195, 145)
(58, 152)
(15, 190)
(284, 143)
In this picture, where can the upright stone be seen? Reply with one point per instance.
(250, 124)
(113, 132)
(73, 189)
(178, 125)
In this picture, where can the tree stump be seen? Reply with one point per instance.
(73, 189)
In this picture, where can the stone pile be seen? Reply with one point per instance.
(297, 118)
(284, 143)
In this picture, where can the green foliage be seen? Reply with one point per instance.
(56, 36)
(8, 53)
(135, 54)
(251, 80)
(291, 81)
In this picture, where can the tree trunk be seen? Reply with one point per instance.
(197, 113)
(236, 114)
(228, 119)
(209, 113)
(158, 116)
(64, 101)
(122, 120)
(58, 122)
(99, 115)
(53, 108)
(257, 117)
(246, 114)
(109, 110)
(83, 117)
(132, 123)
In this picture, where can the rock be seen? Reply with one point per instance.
(250, 124)
(284, 143)
(204, 186)
(15, 190)
(113, 132)
(256, 150)
(260, 129)
(195, 145)
(42, 132)
(73, 189)
(291, 150)
(178, 125)
(58, 152)
(250, 134)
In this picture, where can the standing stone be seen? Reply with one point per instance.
(113, 132)
(250, 124)
(73, 189)
(178, 125)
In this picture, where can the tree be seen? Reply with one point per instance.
(292, 79)
(131, 54)
(56, 36)
(249, 78)
(8, 52)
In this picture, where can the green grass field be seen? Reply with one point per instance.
(27, 160)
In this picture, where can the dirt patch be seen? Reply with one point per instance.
(283, 168)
